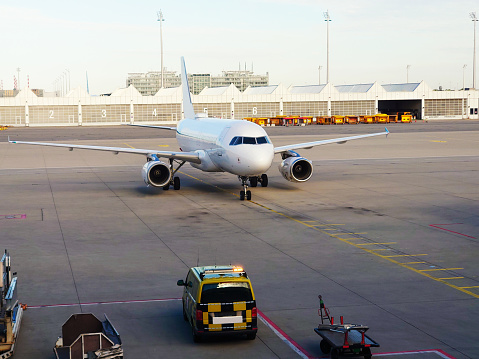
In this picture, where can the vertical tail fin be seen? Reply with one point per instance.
(187, 104)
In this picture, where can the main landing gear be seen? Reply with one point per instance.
(253, 181)
(175, 181)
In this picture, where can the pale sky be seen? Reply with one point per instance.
(370, 40)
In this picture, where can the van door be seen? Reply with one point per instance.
(228, 306)
(191, 289)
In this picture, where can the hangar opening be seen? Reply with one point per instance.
(392, 106)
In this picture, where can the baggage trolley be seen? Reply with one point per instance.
(343, 339)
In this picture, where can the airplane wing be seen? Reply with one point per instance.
(325, 142)
(181, 156)
(159, 127)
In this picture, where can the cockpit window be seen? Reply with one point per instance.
(249, 140)
(238, 140)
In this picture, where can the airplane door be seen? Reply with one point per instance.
(223, 134)
(221, 139)
(221, 150)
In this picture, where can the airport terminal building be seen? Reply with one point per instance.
(128, 105)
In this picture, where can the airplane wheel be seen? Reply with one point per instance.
(176, 183)
(248, 195)
(241, 195)
(166, 187)
(253, 181)
(264, 180)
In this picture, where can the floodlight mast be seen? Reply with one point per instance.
(327, 19)
(161, 19)
(463, 90)
(474, 19)
(18, 71)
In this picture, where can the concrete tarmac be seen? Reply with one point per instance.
(386, 230)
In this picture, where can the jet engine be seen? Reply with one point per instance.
(156, 173)
(296, 169)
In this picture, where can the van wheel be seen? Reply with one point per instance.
(251, 336)
(196, 337)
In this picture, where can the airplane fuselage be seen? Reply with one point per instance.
(250, 154)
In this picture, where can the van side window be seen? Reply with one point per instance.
(192, 284)
(194, 288)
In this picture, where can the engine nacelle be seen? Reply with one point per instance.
(296, 169)
(156, 173)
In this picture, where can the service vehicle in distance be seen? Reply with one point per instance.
(219, 300)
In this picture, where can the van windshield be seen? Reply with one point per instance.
(227, 292)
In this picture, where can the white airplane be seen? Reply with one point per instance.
(238, 147)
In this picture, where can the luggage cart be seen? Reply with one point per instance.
(11, 310)
(343, 339)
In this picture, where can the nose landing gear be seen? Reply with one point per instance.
(245, 192)
(253, 181)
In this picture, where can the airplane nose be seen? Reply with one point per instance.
(256, 164)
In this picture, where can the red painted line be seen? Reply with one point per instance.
(278, 331)
(448, 230)
(285, 336)
(100, 303)
(440, 352)
(13, 216)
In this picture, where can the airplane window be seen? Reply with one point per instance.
(261, 140)
(237, 140)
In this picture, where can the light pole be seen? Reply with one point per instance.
(319, 69)
(161, 19)
(474, 19)
(68, 80)
(407, 73)
(328, 20)
(463, 89)
(18, 71)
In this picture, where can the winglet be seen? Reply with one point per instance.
(387, 131)
(187, 104)
(9, 140)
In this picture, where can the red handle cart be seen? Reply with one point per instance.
(343, 339)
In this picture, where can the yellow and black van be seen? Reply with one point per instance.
(219, 300)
